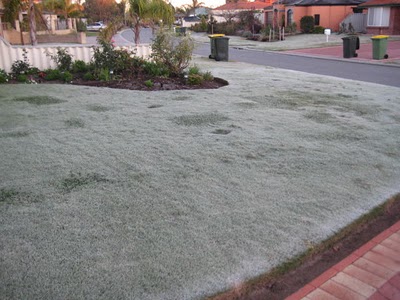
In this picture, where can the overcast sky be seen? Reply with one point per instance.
(209, 3)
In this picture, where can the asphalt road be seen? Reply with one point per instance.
(375, 73)
(386, 75)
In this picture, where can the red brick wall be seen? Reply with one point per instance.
(395, 20)
(394, 24)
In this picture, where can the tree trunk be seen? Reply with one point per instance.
(32, 23)
(136, 31)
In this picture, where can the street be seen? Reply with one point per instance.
(375, 73)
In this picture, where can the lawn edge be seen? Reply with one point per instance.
(312, 255)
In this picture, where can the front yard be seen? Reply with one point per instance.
(110, 193)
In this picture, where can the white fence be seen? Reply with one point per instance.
(36, 55)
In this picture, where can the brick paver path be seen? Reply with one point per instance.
(372, 272)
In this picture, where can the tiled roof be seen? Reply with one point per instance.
(329, 2)
(381, 3)
(243, 5)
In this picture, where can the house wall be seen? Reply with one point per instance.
(330, 16)
(394, 24)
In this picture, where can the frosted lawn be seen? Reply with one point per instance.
(180, 194)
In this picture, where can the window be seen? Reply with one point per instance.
(378, 16)
(316, 20)
(289, 17)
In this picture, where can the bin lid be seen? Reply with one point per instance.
(380, 37)
(216, 35)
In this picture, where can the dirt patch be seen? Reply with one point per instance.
(157, 84)
(314, 265)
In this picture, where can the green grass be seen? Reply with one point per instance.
(92, 33)
(39, 100)
(15, 134)
(76, 180)
(98, 108)
(75, 122)
(7, 195)
(200, 119)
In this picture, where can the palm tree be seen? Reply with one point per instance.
(195, 4)
(65, 8)
(142, 11)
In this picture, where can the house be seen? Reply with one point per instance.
(230, 10)
(326, 13)
(383, 16)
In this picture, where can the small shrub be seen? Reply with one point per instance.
(149, 83)
(3, 76)
(154, 69)
(62, 58)
(67, 76)
(207, 76)
(53, 74)
(79, 66)
(319, 30)
(247, 34)
(195, 79)
(194, 70)
(81, 26)
(20, 67)
(174, 53)
(88, 76)
(104, 75)
(22, 78)
(307, 24)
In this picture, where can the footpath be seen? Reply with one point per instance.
(364, 53)
(371, 272)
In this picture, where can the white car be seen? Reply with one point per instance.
(96, 26)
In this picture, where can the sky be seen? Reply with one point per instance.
(209, 3)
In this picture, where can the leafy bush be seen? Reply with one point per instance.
(81, 26)
(154, 69)
(247, 34)
(172, 52)
(195, 79)
(149, 83)
(292, 28)
(200, 27)
(208, 76)
(20, 67)
(62, 59)
(22, 78)
(88, 76)
(104, 75)
(228, 28)
(67, 76)
(319, 30)
(53, 74)
(3, 76)
(117, 59)
(307, 24)
(79, 66)
(194, 70)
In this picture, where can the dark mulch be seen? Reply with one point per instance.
(279, 288)
(159, 84)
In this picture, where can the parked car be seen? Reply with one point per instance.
(96, 26)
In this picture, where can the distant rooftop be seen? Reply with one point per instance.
(381, 3)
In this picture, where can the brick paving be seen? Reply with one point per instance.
(372, 272)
